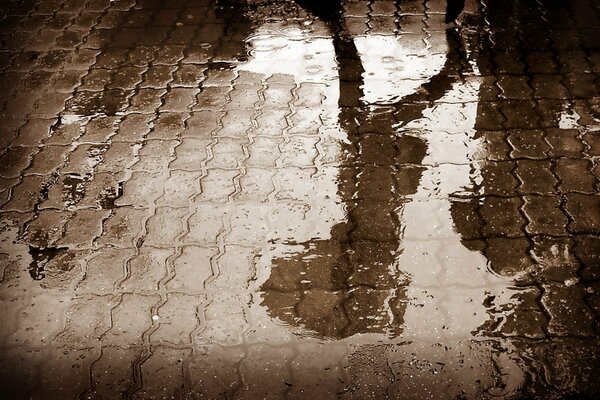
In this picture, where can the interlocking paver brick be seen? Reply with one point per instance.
(72, 365)
(169, 54)
(252, 223)
(544, 215)
(83, 159)
(264, 152)
(256, 185)
(583, 210)
(130, 319)
(179, 99)
(47, 160)
(83, 227)
(540, 62)
(142, 189)
(123, 227)
(111, 374)
(26, 194)
(201, 124)
(272, 122)
(190, 154)
(304, 121)
(567, 310)
(211, 97)
(188, 76)
(281, 199)
(574, 175)
(146, 269)
(47, 228)
(581, 85)
(236, 123)
(556, 259)
(134, 127)
(298, 151)
(519, 114)
(508, 257)
(586, 251)
(96, 80)
(64, 134)
(592, 139)
(548, 86)
(16, 160)
(220, 76)
(536, 177)
(228, 153)
(168, 125)
(515, 87)
(230, 274)
(217, 186)
(192, 268)
(100, 130)
(154, 155)
(178, 308)
(528, 144)
(180, 187)
(126, 78)
(146, 100)
(564, 143)
(87, 319)
(500, 179)
(244, 97)
(34, 132)
(162, 374)
(104, 271)
(117, 157)
(108, 102)
(165, 226)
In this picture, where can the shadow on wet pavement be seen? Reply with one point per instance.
(268, 199)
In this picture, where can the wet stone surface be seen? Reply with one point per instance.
(297, 199)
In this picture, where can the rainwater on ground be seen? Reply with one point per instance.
(299, 199)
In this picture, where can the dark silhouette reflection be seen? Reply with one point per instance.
(350, 283)
(453, 10)
(525, 121)
(536, 223)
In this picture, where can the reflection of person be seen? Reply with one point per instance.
(350, 284)
(534, 176)
(522, 132)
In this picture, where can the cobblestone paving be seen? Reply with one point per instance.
(262, 199)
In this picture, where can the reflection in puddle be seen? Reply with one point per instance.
(401, 265)
(396, 257)
(348, 208)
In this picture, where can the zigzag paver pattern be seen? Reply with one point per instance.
(184, 215)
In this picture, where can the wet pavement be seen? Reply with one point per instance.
(278, 199)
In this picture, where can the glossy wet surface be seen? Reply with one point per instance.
(227, 199)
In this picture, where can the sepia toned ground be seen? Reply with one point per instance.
(210, 199)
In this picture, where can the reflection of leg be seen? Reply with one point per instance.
(350, 71)
(453, 10)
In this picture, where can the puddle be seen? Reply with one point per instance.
(387, 240)
(109, 196)
(73, 189)
(106, 102)
(40, 257)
